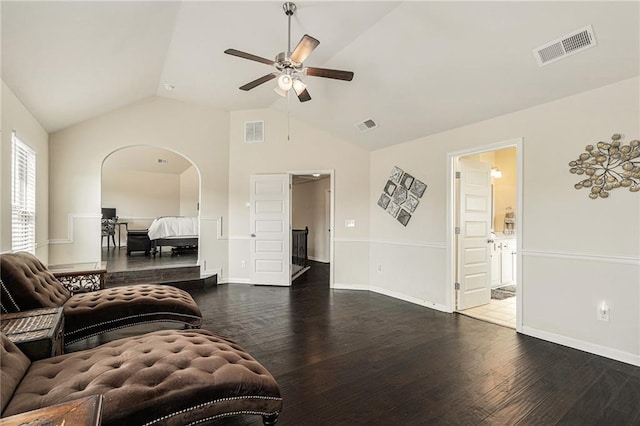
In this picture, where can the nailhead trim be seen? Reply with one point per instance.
(133, 316)
(232, 413)
(9, 294)
(234, 398)
(70, 342)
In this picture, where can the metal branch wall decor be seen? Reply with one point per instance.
(608, 165)
(401, 195)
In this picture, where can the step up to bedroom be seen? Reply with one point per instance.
(181, 270)
(185, 277)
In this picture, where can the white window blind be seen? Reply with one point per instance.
(23, 200)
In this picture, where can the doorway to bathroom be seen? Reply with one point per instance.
(486, 204)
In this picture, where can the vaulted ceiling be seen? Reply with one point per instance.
(420, 67)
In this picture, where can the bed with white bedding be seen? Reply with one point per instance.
(178, 232)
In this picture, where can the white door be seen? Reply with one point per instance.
(270, 258)
(474, 264)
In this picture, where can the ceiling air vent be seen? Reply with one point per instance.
(366, 125)
(253, 131)
(574, 42)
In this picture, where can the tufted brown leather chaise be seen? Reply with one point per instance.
(25, 283)
(170, 377)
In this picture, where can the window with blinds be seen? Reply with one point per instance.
(23, 198)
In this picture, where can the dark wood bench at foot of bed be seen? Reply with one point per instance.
(138, 240)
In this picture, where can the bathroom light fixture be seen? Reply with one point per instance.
(496, 173)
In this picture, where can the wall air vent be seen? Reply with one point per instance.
(253, 131)
(567, 45)
(366, 125)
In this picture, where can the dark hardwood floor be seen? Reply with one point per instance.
(359, 358)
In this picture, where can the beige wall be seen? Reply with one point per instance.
(200, 134)
(576, 253)
(308, 149)
(189, 192)
(141, 194)
(308, 209)
(16, 117)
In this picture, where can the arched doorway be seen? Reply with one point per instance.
(140, 184)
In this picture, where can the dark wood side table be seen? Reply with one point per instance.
(81, 277)
(38, 332)
(79, 412)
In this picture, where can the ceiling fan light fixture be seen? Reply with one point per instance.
(289, 64)
(280, 92)
(285, 82)
(298, 86)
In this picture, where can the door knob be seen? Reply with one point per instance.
(253, 235)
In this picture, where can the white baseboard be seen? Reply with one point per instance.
(235, 281)
(410, 299)
(317, 259)
(604, 351)
(340, 286)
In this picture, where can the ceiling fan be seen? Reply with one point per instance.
(290, 66)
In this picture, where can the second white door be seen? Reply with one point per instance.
(474, 263)
(270, 240)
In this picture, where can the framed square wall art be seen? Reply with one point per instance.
(401, 195)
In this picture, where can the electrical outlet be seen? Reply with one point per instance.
(603, 312)
(243, 264)
(380, 268)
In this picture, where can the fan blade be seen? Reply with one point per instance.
(304, 48)
(327, 73)
(258, 81)
(304, 96)
(249, 56)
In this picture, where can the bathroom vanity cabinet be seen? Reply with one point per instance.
(503, 260)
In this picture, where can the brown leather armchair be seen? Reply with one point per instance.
(25, 283)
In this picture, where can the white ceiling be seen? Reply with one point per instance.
(420, 67)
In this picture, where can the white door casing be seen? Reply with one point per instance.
(270, 241)
(474, 261)
(327, 224)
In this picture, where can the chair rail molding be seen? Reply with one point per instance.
(628, 260)
(71, 219)
(427, 244)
